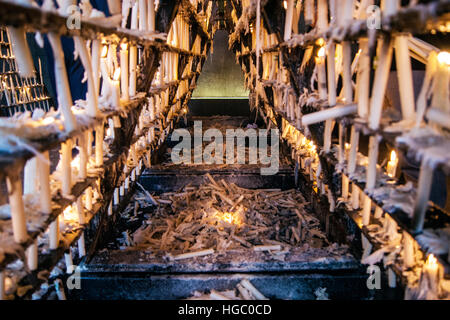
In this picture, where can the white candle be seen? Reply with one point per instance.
(322, 17)
(363, 79)
(115, 89)
(62, 83)
(327, 114)
(81, 246)
(367, 207)
(408, 251)
(88, 201)
(133, 61)
(66, 169)
(309, 11)
(355, 197)
(392, 165)
(354, 143)
(43, 170)
(371, 174)
(378, 212)
(116, 196)
(441, 83)
(405, 77)
(32, 256)
(423, 195)
(143, 21)
(380, 83)
(288, 20)
(431, 270)
(345, 184)
(96, 52)
(151, 15)
(83, 156)
(21, 52)
(124, 72)
(69, 261)
(321, 74)
(30, 179)
(54, 234)
(99, 135)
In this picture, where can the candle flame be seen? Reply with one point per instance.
(285, 5)
(70, 214)
(431, 261)
(104, 51)
(320, 42)
(444, 58)
(124, 46)
(321, 53)
(228, 217)
(393, 156)
(116, 76)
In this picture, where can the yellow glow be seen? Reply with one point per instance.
(321, 53)
(347, 146)
(393, 156)
(229, 217)
(431, 260)
(320, 42)
(70, 214)
(444, 58)
(285, 5)
(123, 46)
(104, 51)
(116, 76)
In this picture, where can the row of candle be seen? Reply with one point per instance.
(101, 60)
(368, 108)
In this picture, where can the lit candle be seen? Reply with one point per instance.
(441, 83)
(431, 271)
(115, 89)
(321, 74)
(124, 71)
(392, 165)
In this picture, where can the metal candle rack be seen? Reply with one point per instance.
(18, 94)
